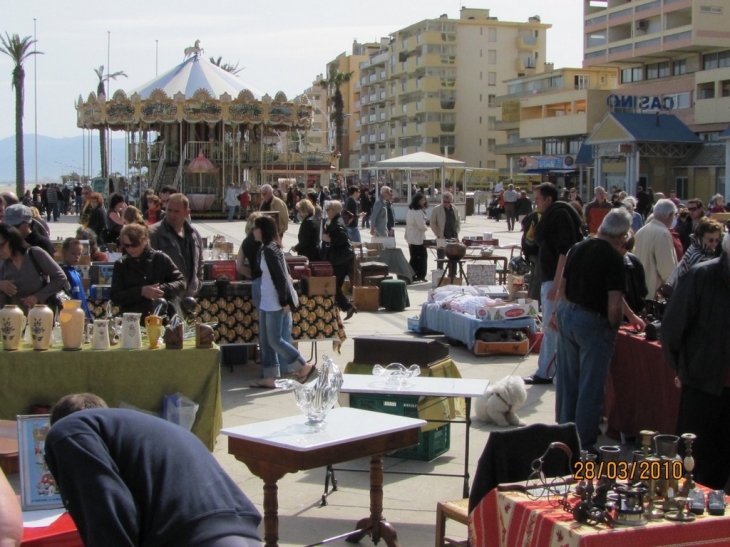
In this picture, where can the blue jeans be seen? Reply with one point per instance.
(584, 355)
(231, 212)
(269, 359)
(549, 345)
(277, 327)
(354, 234)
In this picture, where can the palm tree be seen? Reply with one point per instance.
(228, 67)
(100, 90)
(19, 50)
(336, 80)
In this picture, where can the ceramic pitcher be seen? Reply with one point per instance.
(40, 325)
(153, 323)
(99, 334)
(131, 335)
(72, 319)
(12, 323)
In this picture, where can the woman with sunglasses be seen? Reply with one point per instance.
(143, 274)
(28, 275)
(278, 298)
(704, 244)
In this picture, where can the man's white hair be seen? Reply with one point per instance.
(384, 189)
(447, 195)
(267, 188)
(616, 223)
(664, 209)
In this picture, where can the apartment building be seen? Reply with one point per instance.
(673, 58)
(346, 63)
(432, 86)
(546, 117)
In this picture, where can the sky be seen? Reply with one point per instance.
(283, 45)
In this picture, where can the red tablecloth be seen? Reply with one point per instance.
(509, 519)
(61, 533)
(640, 390)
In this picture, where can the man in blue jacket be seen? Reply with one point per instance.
(130, 479)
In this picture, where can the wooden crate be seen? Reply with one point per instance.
(501, 348)
(320, 286)
(366, 298)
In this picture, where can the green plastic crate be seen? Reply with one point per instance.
(431, 444)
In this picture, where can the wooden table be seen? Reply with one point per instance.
(425, 387)
(273, 448)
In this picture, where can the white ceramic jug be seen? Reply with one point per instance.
(131, 335)
(40, 325)
(99, 334)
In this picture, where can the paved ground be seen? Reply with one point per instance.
(410, 501)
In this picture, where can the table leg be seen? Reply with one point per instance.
(466, 447)
(375, 525)
(271, 513)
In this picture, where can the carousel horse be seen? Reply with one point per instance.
(196, 49)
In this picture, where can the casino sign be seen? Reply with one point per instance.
(640, 102)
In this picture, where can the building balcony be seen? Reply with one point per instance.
(556, 126)
(527, 43)
(519, 148)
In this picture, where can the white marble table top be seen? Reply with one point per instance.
(342, 425)
(419, 385)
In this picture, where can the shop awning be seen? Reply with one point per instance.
(536, 171)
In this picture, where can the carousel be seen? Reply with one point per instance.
(197, 128)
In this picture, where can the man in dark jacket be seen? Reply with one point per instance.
(557, 231)
(696, 345)
(177, 238)
(127, 478)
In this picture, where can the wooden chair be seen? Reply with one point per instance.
(508, 457)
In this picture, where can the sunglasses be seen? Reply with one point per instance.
(130, 245)
(691, 209)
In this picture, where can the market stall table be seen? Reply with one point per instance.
(397, 263)
(425, 387)
(640, 390)
(463, 327)
(510, 519)
(61, 533)
(136, 377)
(273, 448)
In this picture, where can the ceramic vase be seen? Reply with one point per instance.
(72, 319)
(99, 334)
(12, 323)
(40, 325)
(131, 335)
(153, 324)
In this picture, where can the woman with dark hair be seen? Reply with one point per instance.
(94, 216)
(28, 275)
(278, 298)
(143, 275)
(415, 230)
(704, 243)
(339, 253)
(114, 218)
(308, 235)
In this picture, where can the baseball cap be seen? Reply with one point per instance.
(17, 214)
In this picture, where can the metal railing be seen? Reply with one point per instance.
(159, 169)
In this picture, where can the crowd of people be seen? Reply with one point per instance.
(597, 266)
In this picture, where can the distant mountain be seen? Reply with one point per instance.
(56, 157)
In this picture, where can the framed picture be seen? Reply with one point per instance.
(37, 485)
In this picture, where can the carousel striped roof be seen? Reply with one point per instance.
(196, 73)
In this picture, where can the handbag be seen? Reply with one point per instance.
(55, 301)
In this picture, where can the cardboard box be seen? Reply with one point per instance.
(223, 269)
(501, 348)
(366, 298)
(319, 286)
(516, 310)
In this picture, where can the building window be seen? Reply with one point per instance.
(582, 81)
(679, 67)
(657, 70)
(681, 185)
(491, 164)
(492, 56)
(679, 100)
(720, 185)
(491, 34)
(631, 75)
(491, 143)
(491, 121)
(491, 100)
(554, 147)
(720, 59)
(491, 78)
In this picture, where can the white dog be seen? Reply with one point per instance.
(501, 400)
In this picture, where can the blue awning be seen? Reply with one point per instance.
(536, 171)
(585, 155)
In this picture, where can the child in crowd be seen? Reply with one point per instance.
(71, 253)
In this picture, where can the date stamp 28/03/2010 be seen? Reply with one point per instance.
(636, 471)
